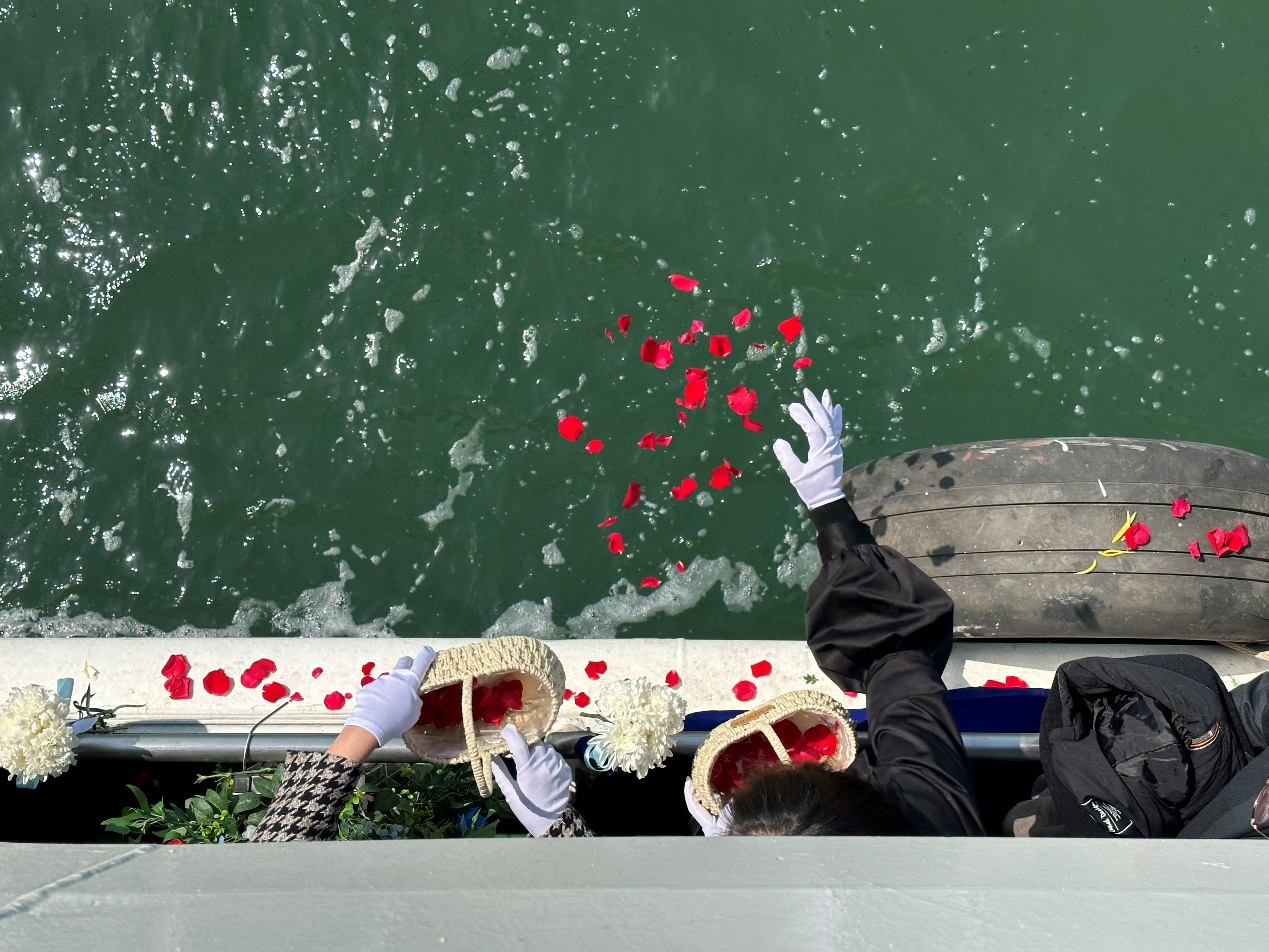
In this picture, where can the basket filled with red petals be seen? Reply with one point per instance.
(800, 727)
(472, 692)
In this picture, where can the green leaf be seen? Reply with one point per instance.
(141, 800)
(266, 787)
(247, 802)
(200, 808)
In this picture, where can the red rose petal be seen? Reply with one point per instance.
(1194, 550)
(179, 689)
(650, 582)
(623, 324)
(663, 440)
(1180, 507)
(581, 700)
(745, 690)
(758, 346)
(687, 337)
(347, 696)
(698, 326)
(367, 667)
(993, 683)
(721, 475)
(615, 544)
(297, 696)
(633, 492)
(334, 701)
(694, 393)
(760, 669)
(568, 693)
(609, 334)
(274, 692)
(607, 522)
(682, 418)
(752, 424)
(802, 362)
(177, 666)
(672, 679)
(683, 489)
(1138, 534)
(264, 665)
(679, 566)
(596, 668)
(1237, 538)
(658, 353)
(742, 318)
(1217, 538)
(367, 680)
(696, 373)
(317, 672)
(790, 328)
(571, 427)
(594, 446)
(720, 345)
(682, 282)
(1013, 681)
(252, 677)
(217, 682)
(742, 400)
(851, 693)
(647, 442)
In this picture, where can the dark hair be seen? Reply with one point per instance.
(811, 800)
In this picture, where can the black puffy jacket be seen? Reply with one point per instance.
(1136, 747)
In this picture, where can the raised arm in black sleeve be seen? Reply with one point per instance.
(878, 624)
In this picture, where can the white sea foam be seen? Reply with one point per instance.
(938, 336)
(551, 554)
(530, 337)
(1039, 345)
(392, 319)
(429, 70)
(346, 272)
(180, 486)
(506, 57)
(451, 91)
(465, 453)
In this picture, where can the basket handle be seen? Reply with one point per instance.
(479, 761)
(774, 740)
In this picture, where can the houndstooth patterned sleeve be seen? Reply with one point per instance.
(313, 790)
(569, 824)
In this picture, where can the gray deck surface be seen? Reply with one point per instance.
(669, 893)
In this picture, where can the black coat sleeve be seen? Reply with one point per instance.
(878, 624)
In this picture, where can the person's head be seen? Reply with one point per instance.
(810, 800)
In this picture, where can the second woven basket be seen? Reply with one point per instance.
(805, 709)
(473, 691)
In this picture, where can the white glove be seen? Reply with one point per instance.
(389, 705)
(819, 480)
(542, 786)
(710, 825)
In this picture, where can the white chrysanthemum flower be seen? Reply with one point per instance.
(639, 718)
(35, 740)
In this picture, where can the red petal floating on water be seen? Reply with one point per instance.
(1237, 538)
(317, 672)
(679, 566)
(682, 418)
(698, 326)
(672, 679)
(742, 400)
(751, 424)
(801, 362)
(633, 492)
(662, 440)
(274, 692)
(615, 544)
(623, 324)
(1138, 534)
(571, 427)
(745, 690)
(367, 667)
(367, 680)
(790, 328)
(581, 700)
(683, 489)
(721, 475)
(594, 446)
(1180, 507)
(650, 582)
(607, 522)
(687, 337)
(1194, 550)
(694, 393)
(720, 345)
(647, 441)
(742, 319)
(609, 334)
(757, 346)
(682, 282)
(297, 696)
(696, 373)
(176, 667)
(217, 682)
(333, 701)
(568, 693)
(595, 669)
(760, 669)
(179, 689)
(658, 353)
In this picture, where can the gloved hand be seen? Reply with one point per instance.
(710, 825)
(819, 480)
(389, 705)
(542, 786)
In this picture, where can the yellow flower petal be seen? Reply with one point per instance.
(1087, 570)
(1132, 517)
(1112, 553)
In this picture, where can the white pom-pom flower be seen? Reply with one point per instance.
(637, 720)
(35, 740)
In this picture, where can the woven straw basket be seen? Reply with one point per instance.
(485, 663)
(804, 708)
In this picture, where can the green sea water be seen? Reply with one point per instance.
(292, 295)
